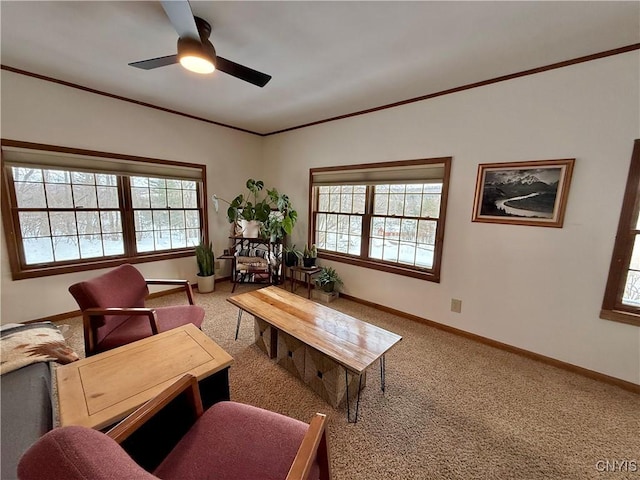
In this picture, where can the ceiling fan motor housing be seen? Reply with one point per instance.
(191, 46)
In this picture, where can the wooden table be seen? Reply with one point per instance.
(102, 389)
(307, 273)
(352, 344)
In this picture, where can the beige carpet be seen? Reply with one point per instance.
(453, 408)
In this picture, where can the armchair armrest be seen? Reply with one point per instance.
(314, 446)
(187, 383)
(163, 281)
(89, 333)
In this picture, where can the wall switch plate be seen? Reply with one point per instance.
(456, 305)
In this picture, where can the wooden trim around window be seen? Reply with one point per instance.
(19, 272)
(433, 274)
(612, 307)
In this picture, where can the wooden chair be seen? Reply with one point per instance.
(230, 441)
(114, 313)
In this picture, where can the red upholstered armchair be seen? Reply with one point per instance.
(114, 314)
(230, 441)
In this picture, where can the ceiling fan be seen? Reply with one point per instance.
(195, 51)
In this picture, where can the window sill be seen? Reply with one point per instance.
(622, 317)
(430, 276)
(97, 264)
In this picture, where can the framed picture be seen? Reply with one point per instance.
(523, 193)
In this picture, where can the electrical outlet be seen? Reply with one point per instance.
(456, 305)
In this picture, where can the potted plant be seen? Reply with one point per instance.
(309, 256)
(258, 215)
(328, 279)
(291, 256)
(206, 264)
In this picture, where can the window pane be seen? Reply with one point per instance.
(190, 199)
(113, 244)
(106, 179)
(174, 198)
(177, 220)
(192, 219)
(323, 202)
(346, 203)
(57, 176)
(332, 223)
(431, 205)
(108, 197)
(144, 242)
(80, 178)
(356, 225)
(160, 220)
(635, 255)
(396, 204)
(189, 185)
(88, 222)
(143, 220)
(63, 223)
(158, 198)
(380, 203)
(412, 205)
(34, 224)
(38, 250)
(85, 196)
(193, 237)
(162, 239)
(59, 195)
(427, 232)
(140, 197)
(407, 253)
(334, 202)
(23, 174)
(111, 222)
(157, 183)
(65, 248)
(424, 255)
(91, 246)
(409, 230)
(30, 195)
(321, 222)
(139, 181)
(178, 239)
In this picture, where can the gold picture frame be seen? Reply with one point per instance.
(523, 193)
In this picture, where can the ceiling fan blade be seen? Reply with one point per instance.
(181, 17)
(155, 62)
(243, 73)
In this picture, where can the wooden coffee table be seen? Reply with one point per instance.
(102, 389)
(315, 342)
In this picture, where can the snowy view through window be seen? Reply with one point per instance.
(403, 221)
(70, 215)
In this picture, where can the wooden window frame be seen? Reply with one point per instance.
(19, 268)
(432, 274)
(612, 306)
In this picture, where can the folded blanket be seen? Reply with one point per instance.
(22, 345)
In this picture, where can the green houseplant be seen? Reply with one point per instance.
(291, 256)
(309, 255)
(328, 279)
(206, 266)
(274, 214)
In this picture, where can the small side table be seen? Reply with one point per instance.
(306, 274)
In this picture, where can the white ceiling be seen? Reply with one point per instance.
(326, 58)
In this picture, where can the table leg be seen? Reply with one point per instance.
(238, 325)
(383, 365)
(308, 285)
(346, 378)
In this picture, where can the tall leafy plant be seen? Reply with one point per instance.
(205, 259)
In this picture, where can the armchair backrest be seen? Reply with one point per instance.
(78, 453)
(122, 287)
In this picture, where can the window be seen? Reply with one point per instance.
(66, 210)
(622, 295)
(387, 216)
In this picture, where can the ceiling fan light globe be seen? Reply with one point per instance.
(197, 64)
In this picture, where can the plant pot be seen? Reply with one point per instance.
(328, 287)
(290, 259)
(309, 262)
(250, 229)
(206, 284)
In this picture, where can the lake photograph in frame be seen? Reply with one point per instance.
(523, 193)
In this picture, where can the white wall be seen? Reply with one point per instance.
(532, 287)
(43, 112)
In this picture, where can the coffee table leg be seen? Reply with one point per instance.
(238, 325)
(346, 378)
(383, 368)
